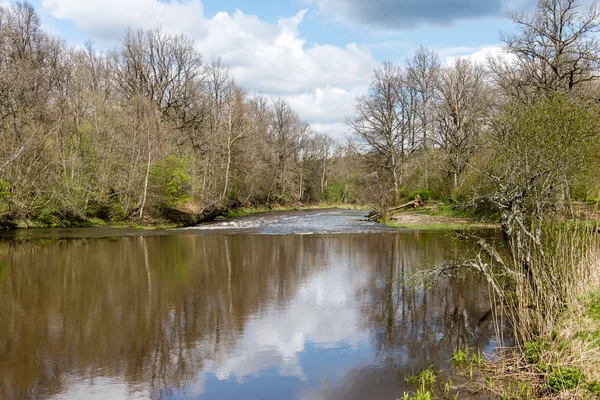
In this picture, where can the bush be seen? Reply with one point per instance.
(170, 182)
(425, 194)
(4, 190)
(334, 192)
(4, 195)
(565, 378)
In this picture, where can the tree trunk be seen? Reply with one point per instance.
(145, 194)
(227, 167)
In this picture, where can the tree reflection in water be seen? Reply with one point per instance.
(205, 315)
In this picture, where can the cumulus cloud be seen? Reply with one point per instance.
(478, 55)
(320, 80)
(406, 14)
(276, 338)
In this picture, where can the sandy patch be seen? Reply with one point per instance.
(412, 218)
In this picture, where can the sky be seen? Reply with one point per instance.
(317, 54)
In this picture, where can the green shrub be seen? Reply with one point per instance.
(48, 216)
(170, 182)
(425, 194)
(334, 192)
(565, 378)
(4, 190)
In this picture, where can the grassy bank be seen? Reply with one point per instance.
(544, 283)
(562, 365)
(438, 217)
(146, 224)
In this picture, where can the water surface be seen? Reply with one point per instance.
(291, 305)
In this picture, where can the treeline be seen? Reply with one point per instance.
(520, 130)
(152, 130)
(149, 129)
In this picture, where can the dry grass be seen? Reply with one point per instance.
(566, 349)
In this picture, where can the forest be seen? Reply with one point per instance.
(147, 130)
(152, 131)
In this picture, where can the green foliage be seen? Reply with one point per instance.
(594, 387)
(4, 190)
(110, 210)
(460, 357)
(48, 216)
(170, 181)
(334, 192)
(565, 378)
(540, 149)
(425, 194)
(532, 352)
(594, 308)
(426, 379)
(477, 358)
(542, 368)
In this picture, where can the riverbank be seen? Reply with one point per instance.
(177, 218)
(563, 365)
(437, 217)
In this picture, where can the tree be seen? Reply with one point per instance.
(556, 48)
(460, 114)
(423, 74)
(537, 152)
(381, 126)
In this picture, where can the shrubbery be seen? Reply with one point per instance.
(170, 182)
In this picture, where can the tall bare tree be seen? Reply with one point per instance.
(555, 49)
(460, 114)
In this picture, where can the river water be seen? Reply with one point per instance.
(285, 305)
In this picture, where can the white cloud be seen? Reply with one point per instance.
(475, 54)
(276, 338)
(102, 388)
(325, 105)
(320, 80)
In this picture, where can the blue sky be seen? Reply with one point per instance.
(318, 54)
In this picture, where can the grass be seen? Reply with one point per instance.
(426, 380)
(437, 217)
(563, 364)
(441, 227)
(460, 357)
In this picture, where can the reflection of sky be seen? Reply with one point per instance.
(315, 346)
(101, 389)
(312, 342)
(317, 334)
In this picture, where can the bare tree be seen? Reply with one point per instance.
(460, 113)
(236, 110)
(556, 48)
(381, 126)
(423, 71)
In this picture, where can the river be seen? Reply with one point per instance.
(284, 305)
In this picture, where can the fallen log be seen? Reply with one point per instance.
(410, 203)
(416, 203)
